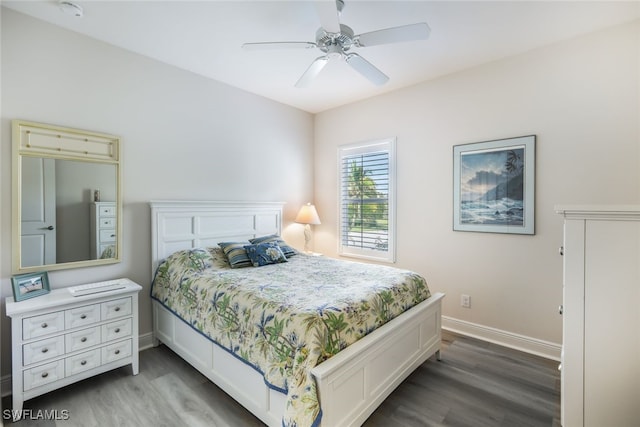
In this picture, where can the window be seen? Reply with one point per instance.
(367, 200)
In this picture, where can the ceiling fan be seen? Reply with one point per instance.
(336, 40)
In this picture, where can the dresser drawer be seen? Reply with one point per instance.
(45, 324)
(108, 235)
(44, 374)
(115, 330)
(82, 362)
(82, 339)
(107, 223)
(82, 316)
(116, 308)
(116, 351)
(42, 350)
(108, 211)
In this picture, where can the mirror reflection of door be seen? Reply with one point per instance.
(38, 237)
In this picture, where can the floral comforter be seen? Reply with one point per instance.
(284, 319)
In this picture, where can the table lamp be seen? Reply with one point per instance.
(307, 216)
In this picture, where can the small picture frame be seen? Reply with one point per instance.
(30, 285)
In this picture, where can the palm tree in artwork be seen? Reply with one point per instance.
(513, 163)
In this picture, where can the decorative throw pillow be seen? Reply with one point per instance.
(287, 250)
(265, 254)
(219, 258)
(199, 259)
(236, 254)
(194, 259)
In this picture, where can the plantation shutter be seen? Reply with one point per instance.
(366, 200)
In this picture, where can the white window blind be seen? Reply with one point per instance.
(367, 200)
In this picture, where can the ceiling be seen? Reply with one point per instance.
(205, 37)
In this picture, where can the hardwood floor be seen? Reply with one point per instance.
(475, 384)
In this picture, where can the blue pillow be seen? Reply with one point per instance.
(236, 254)
(287, 250)
(265, 254)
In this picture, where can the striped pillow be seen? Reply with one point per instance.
(236, 254)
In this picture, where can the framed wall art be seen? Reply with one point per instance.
(494, 186)
(30, 285)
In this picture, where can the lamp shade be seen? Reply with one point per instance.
(308, 215)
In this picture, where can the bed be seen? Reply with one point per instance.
(345, 388)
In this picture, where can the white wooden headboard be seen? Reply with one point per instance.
(177, 225)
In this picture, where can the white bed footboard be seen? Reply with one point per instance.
(351, 385)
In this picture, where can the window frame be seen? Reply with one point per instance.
(370, 147)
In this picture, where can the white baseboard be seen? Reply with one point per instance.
(530, 345)
(145, 341)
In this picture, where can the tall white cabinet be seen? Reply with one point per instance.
(601, 316)
(103, 217)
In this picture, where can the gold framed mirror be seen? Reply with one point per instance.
(67, 198)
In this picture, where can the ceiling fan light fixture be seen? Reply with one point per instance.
(70, 8)
(334, 51)
(335, 40)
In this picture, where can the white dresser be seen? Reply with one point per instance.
(58, 339)
(600, 377)
(103, 228)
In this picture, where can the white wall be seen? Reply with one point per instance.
(580, 97)
(183, 137)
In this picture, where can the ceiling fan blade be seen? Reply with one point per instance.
(278, 45)
(403, 33)
(365, 68)
(312, 72)
(328, 14)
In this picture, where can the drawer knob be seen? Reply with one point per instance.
(117, 330)
(44, 350)
(44, 325)
(117, 309)
(84, 316)
(117, 352)
(45, 374)
(83, 339)
(84, 362)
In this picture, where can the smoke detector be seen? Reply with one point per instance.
(70, 8)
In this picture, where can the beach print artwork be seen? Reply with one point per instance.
(492, 187)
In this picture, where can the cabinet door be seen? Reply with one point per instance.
(573, 325)
(612, 323)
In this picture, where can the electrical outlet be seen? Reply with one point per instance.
(465, 301)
